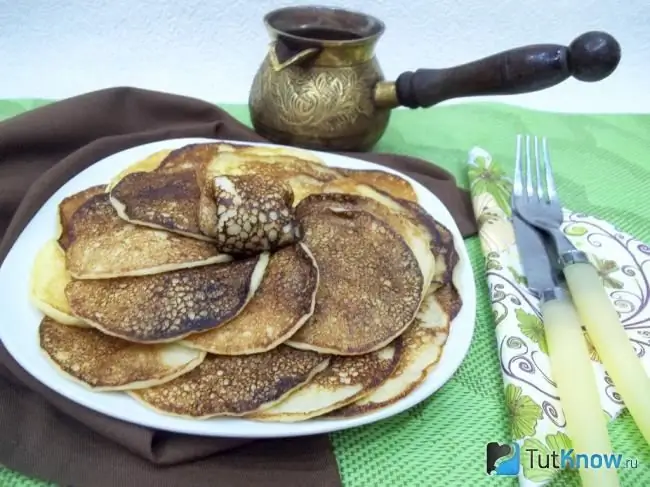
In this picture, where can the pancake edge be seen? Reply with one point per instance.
(317, 369)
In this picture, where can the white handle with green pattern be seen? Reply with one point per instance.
(611, 342)
(576, 383)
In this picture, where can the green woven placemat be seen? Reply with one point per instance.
(602, 166)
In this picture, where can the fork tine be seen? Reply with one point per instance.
(529, 180)
(550, 183)
(517, 184)
(540, 183)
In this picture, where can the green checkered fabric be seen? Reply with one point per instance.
(602, 167)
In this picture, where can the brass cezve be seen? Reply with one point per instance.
(320, 85)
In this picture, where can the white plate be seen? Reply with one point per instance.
(20, 320)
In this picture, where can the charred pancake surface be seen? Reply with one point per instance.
(165, 200)
(370, 284)
(168, 306)
(344, 381)
(281, 305)
(107, 363)
(102, 245)
(235, 385)
(69, 206)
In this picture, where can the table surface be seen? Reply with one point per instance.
(602, 166)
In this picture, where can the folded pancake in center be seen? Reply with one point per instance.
(247, 197)
(106, 363)
(346, 379)
(234, 385)
(169, 306)
(164, 192)
(102, 245)
(280, 306)
(370, 281)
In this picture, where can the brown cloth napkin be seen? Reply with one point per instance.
(43, 434)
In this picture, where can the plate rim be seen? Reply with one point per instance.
(460, 336)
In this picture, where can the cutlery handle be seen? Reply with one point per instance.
(611, 342)
(573, 373)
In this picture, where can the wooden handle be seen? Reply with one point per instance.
(611, 342)
(576, 383)
(591, 57)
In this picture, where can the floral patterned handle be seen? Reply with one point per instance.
(611, 341)
(576, 384)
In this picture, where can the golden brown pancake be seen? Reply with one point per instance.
(417, 236)
(370, 283)
(248, 214)
(306, 156)
(145, 165)
(281, 305)
(235, 385)
(276, 162)
(423, 343)
(48, 280)
(169, 306)
(442, 245)
(386, 182)
(102, 245)
(67, 208)
(106, 363)
(346, 379)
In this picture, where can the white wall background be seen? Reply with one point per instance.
(212, 48)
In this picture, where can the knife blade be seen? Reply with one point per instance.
(571, 367)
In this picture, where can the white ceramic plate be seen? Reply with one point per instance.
(20, 320)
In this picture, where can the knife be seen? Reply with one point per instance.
(571, 366)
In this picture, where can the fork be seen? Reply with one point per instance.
(536, 201)
(569, 358)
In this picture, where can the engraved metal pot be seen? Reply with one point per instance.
(321, 87)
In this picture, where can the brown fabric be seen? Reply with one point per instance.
(47, 436)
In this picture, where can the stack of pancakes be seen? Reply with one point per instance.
(219, 280)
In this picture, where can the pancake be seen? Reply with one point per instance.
(67, 208)
(442, 245)
(303, 176)
(102, 245)
(386, 182)
(423, 343)
(276, 162)
(145, 165)
(235, 385)
(248, 214)
(48, 280)
(105, 363)
(281, 305)
(370, 284)
(169, 306)
(416, 235)
(408, 222)
(347, 379)
(165, 195)
(167, 201)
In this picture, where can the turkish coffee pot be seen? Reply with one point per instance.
(320, 85)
